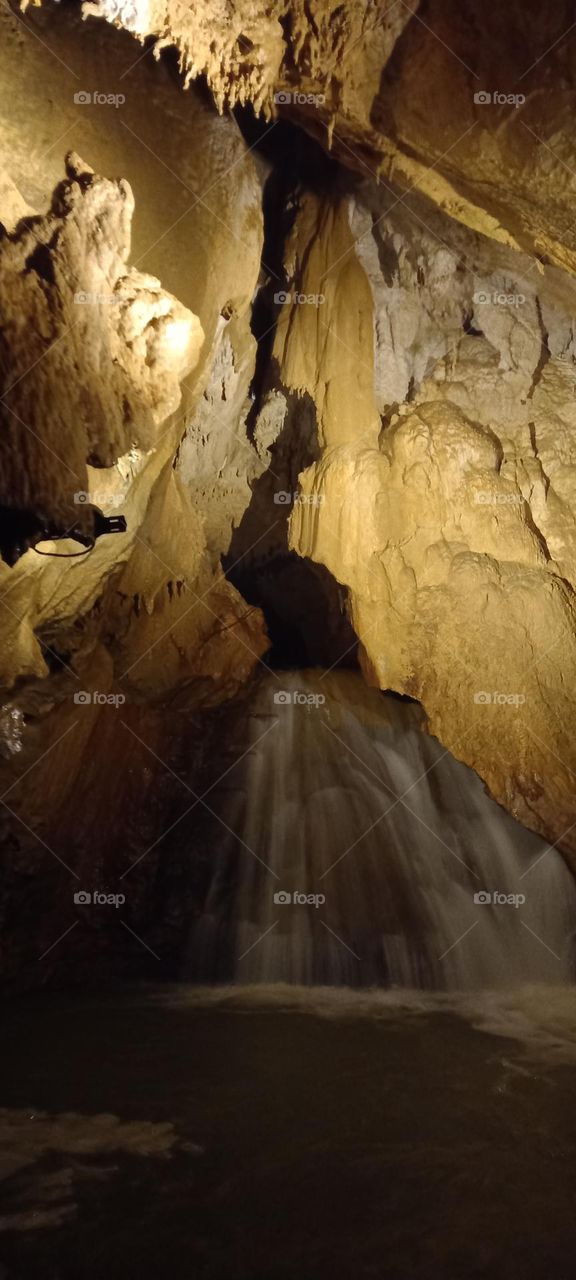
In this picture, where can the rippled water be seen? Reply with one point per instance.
(339, 797)
(376, 1084)
(539, 1019)
(267, 1132)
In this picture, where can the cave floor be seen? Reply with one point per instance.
(154, 1134)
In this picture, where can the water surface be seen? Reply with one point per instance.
(274, 1132)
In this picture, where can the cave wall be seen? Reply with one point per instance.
(453, 528)
(172, 148)
(417, 404)
(99, 436)
(401, 90)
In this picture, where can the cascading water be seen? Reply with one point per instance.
(356, 851)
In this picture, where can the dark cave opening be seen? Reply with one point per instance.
(305, 612)
(293, 162)
(303, 605)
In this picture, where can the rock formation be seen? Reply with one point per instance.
(471, 107)
(453, 528)
(327, 369)
(71, 302)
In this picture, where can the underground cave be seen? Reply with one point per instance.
(288, 876)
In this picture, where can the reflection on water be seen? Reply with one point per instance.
(351, 847)
(539, 1020)
(266, 1133)
(376, 1083)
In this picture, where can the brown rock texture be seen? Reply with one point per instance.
(451, 519)
(421, 384)
(94, 353)
(76, 318)
(468, 104)
(248, 49)
(111, 376)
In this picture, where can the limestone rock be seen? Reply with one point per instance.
(106, 346)
(418, 421)
(454, 534)
(326, 322)
(248, 50)
(471, 107)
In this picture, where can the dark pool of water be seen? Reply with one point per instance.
(411, 1145)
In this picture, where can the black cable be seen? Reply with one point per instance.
(66, 555)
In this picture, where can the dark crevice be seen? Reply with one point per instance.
(544, 351)
(303, 605)
(387, 255)
(468, 327)
(41, 261)
(296, 164)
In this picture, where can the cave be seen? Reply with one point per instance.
(288, 628)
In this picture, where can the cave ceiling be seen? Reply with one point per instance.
(293, 285)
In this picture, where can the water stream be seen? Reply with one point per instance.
(376, 1080)
(349, 848)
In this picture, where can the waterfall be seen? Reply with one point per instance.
(348, 847)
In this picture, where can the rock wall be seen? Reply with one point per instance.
(92, 351)
(453, 528)
(103, 366)
(398, 425)
(467, 103)
(248, 50)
